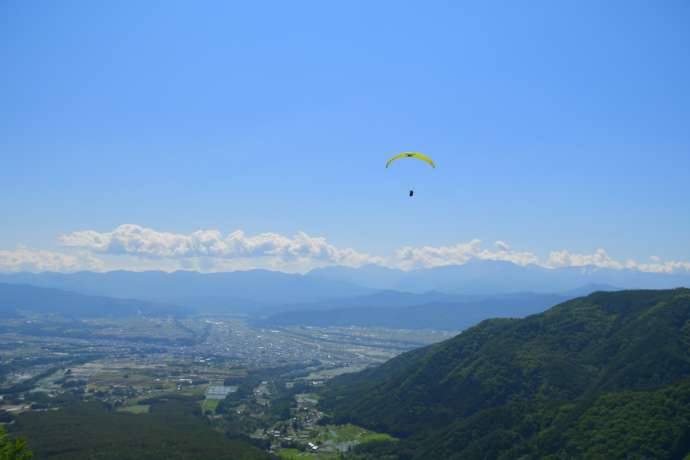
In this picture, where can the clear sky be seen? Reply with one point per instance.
(556, 126)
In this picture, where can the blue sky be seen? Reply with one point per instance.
(555, 126)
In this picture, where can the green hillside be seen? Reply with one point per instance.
(173, 429)
(604, 376)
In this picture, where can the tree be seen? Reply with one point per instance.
(13, 449)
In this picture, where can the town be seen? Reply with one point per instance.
(253, 382)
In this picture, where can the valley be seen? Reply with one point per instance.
(255, 385)
(415, 376)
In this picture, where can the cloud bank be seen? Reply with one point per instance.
(430, 256)
(34, 260)
(135, 247)
(132, 239)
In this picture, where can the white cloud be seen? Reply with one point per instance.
(429, 256)
(34, 260)
(599, 259)
(502, 245)
(134, 247)
(671, 266)
(130, 239)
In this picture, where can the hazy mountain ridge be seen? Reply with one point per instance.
(17, 300)
(608, 373)
(262, 290)
(416, 311)
(491, 277)
(382, 299)
(242, 291)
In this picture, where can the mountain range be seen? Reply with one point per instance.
(493, 277)
(452, 297)
(395, 310)
(17, 300)
(246, 290)
(237, 292)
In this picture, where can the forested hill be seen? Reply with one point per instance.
(603, 376)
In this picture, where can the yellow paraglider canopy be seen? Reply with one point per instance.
(419, 156)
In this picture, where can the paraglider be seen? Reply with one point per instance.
(417, 155)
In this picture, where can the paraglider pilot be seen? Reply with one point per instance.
(416, 155)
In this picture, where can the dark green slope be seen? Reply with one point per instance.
(604, 376)
(173, 430)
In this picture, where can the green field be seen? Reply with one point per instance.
(209, 404)
(349, 433)
(294, 454)
(137, 409)
(330, 437)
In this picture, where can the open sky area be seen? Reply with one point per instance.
(234, 135)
